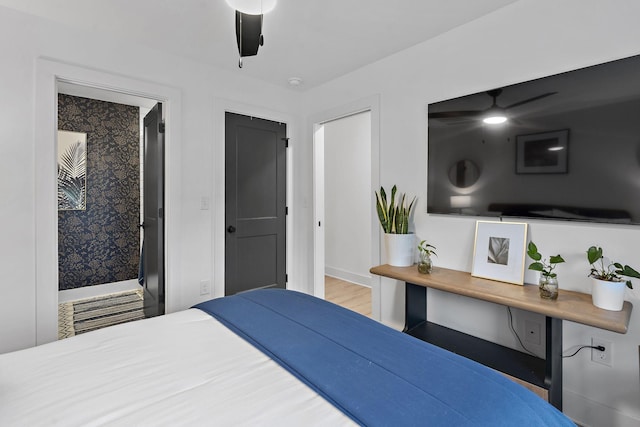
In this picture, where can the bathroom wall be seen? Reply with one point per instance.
(101, 244)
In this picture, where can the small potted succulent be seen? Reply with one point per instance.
(425, 265)
(608, 285)
(548, 283)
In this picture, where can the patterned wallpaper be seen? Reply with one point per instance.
(101, 244)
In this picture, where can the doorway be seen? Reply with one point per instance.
(99, 245)
(347, 228)
(370, 254)
(50, 75)
(255, 203)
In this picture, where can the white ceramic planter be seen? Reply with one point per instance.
(400, 249)
(608, 295)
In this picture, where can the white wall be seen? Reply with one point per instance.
(347, 178)
(526, 40)
(23, 40)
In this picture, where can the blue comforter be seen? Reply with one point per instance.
(372, 373)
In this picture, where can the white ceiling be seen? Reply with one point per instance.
(316, 40)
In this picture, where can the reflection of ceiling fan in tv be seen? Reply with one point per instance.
(492, 115)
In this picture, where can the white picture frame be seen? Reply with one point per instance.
(72, 171)
(499, 251)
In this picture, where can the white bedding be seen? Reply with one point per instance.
(184, 368)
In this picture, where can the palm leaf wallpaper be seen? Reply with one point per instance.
(72, 170)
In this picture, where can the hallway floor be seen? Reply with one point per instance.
(349, 295)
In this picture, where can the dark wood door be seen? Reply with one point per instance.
(255, 197)
(153, 225)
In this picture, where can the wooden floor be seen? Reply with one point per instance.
(348, 295)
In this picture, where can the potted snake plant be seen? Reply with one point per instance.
(394, 218)
(608, 285)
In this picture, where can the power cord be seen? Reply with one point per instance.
(516, 334)
(596, 347)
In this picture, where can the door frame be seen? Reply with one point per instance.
(48, 74)
(221, 107)
(371, 104)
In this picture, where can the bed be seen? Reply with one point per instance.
(265, 357)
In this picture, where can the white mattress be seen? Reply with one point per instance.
(184, 368)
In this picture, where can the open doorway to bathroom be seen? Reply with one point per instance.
(100, 274)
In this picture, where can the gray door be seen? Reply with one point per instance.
(153, 225)
(255, 197)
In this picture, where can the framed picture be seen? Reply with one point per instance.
(72, 170)
(546, 152)
(499, 251)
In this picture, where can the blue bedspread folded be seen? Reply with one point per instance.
(372, 373)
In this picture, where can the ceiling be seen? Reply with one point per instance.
(315, 40)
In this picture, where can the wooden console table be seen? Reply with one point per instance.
(545, 373)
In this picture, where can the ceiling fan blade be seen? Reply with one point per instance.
(535, 98)
(454, 114)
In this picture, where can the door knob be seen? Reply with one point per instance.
(231, 229)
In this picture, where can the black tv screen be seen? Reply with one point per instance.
(569, 148)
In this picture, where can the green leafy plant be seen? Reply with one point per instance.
(426, 249)
(393, 215)
(541, 265)
(611, 272)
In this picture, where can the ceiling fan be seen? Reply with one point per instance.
(493, 115)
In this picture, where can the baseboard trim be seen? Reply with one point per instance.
(588, 413)
(97, 290)
(348, 276)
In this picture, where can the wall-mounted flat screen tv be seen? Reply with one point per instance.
(569, 148)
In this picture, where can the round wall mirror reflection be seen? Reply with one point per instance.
(463, 173)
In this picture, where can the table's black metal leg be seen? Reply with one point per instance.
(553, 370)
(415, 306)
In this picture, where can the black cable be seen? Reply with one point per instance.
(597, 347)
(516, 334)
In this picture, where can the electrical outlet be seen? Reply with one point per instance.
(602, 357)
(205, 287)
(532, 331)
